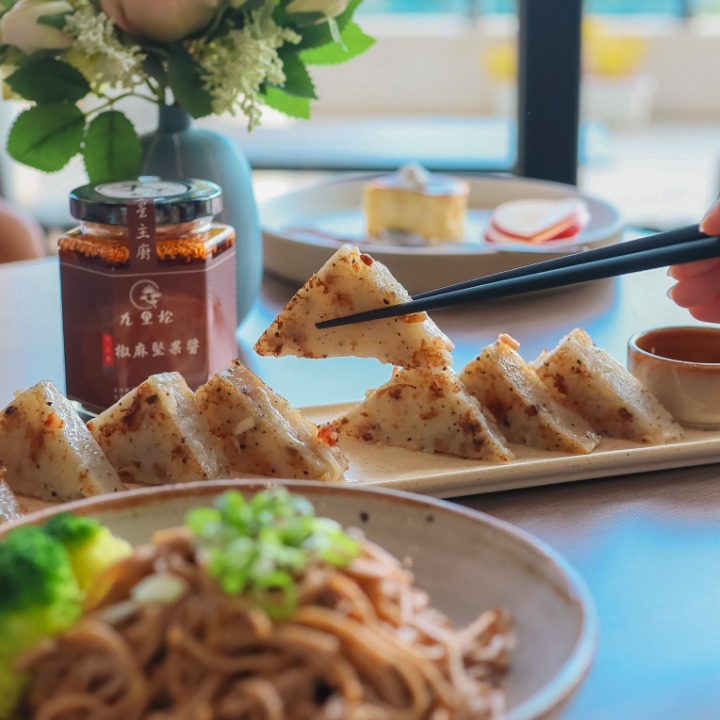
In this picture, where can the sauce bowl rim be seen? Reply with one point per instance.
(706, 330)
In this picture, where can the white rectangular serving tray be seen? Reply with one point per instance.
(445, 476)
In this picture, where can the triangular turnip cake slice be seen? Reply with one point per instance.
(261, 434)
(591, 382)
(47, 450)
(425, 410)
(155, 434)
(524, 409)
(351, 282)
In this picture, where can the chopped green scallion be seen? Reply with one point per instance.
(260, 546)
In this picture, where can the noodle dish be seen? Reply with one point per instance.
(254, 609)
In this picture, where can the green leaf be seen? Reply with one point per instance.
(47, 136)
(112, 148)
(154, 67)
(291, 105)
(354, 43)
(185, 78)
(56, 21)
(47, 80)
(297, 79)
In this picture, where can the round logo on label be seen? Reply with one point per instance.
(138, 189)
(145, 295)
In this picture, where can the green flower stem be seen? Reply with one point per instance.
(110, 102)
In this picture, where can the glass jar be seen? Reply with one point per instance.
(148, 284)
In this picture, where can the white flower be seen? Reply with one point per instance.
(238, 63)
(97, 51)
(20, 27)
(329, 8)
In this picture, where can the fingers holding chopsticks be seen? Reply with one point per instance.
(710, 224)
(698, 286)
(699, 292)
(693, 269)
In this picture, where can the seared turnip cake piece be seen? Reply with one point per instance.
(351, 282)
(48, 451)
(261, 434)
(588, 380)
(425, 410)
(524, 409)
(156, 435)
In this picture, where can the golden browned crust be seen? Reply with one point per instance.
(349, 282)
(424, 410)
(262, 434)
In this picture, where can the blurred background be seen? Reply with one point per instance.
(444, 71)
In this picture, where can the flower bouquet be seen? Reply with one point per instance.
(77, 60)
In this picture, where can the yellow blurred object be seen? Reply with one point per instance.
(501, 61)
(610, 54)
(604, 53)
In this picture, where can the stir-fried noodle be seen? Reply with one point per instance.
(362, 644)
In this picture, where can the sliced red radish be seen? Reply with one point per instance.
(561, 232)
(537, 221)
(495, 237)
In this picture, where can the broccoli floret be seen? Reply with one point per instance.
(44, 574)
(39, 596)
(91, 546)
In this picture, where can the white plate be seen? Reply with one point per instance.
(467, 561)
(335, 208)
(446, 476)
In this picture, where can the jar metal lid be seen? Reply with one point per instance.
(175, 201)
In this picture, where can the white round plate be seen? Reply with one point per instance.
(302, 229)
(467, 562)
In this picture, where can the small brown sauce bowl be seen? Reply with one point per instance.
(681, 367)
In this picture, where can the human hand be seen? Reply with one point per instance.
(698, 286)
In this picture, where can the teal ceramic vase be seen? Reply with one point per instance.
(175, 150)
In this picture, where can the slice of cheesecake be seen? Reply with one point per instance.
(350, 282)
(588, 380)
(155, 434)
(414, 201)
(261, 434)
(424, 410)
(523, 407)
(47, 450)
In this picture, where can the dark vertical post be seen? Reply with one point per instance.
(686, 9)
(549, 47)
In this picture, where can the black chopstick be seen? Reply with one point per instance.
(663, 239)
(630, 257)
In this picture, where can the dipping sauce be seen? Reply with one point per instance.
(681, 367)
(148, 284)
(687, 344)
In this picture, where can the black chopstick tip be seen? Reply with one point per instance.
(335, 322)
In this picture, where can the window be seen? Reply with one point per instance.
(475, 8)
